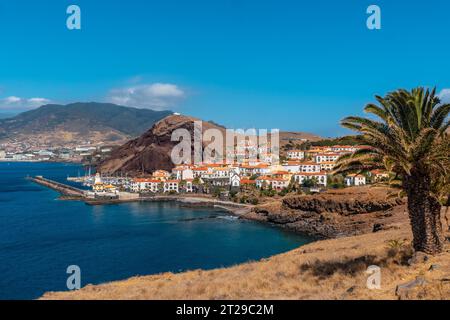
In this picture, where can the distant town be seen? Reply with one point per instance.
(28, 152)
(300, 171)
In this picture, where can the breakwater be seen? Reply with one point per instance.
(72, 193)
(60, 187)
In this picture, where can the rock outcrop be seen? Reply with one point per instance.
(335, 213)
(341, 203)
(152, 150)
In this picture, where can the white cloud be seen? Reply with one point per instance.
(12, 99)
(153, 96)
(164, 90)
(18, 103)
(38, 101)
(444, 95)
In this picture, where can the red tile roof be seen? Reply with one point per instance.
(247, 181)
(320, 173)
(146, 180)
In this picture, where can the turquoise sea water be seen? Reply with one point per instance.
(41, 236)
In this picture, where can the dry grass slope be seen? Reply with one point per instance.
(328, 269)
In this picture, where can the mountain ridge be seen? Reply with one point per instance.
(81, 120)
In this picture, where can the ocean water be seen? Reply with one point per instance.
(41, 236)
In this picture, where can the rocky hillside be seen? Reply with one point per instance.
(335, 213)
(77, 122)
(296, 138)
(152, 150)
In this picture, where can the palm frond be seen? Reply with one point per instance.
(410, 131)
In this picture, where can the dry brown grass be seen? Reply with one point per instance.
(329, 269)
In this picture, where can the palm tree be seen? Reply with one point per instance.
(408, 139)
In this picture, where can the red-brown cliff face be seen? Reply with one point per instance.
(336, 213)
(152, 150)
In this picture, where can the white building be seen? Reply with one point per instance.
(98, 178)
(259, 169)
(327, 165)
(171, 186)
(326, 157)
(291, 166)
(355, 180)
(21, 157)
(235, 179)
(183, 173)
(346, 149)
(145, 185)
(309, 167)
(161, 175)
(320, 177)
(220, 172)
(296, 154)
(379, 175)
(85, 149)
(200, 172)
(275, 183)
(45, 153)
(189, 187)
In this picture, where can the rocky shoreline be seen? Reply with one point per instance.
(334, 214)
(333, 269)
(361, 221)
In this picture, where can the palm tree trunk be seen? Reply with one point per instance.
(424, 214)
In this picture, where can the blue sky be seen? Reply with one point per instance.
(293, 65)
